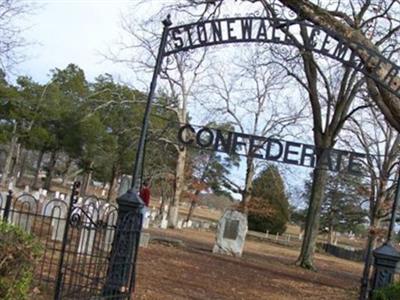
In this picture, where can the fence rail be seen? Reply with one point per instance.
(77, 237)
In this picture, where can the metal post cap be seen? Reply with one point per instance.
(130, 198)
(387, 251)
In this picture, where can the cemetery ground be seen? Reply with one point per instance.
(180, 265)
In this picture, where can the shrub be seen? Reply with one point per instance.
(18, 254)
(391, 292)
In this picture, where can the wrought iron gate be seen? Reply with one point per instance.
(78, 236)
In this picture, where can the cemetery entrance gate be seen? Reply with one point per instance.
(269, 29)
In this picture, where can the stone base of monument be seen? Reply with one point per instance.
(144, 239)
(231, 233)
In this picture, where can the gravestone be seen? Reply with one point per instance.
(88, 232)
(3, 198)
(108, 216)
(179, 226)
(56, 210)
(125, 185)
(144, 239)
(164, 222)
(231, 233)
(25, 209)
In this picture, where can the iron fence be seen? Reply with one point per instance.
(77, 237)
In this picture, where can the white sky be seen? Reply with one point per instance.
(72, 31)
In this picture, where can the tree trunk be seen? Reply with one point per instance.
(50, 170)
(246, 195)
(87, 178)
(112, 182)
(306, 258)
(15, 160)
(10, 155)
(179, 186)
(65, 172)
(192, 206)
(191, 209)
(22, 166)
(331, 235)
(38, 164)
(387, 102)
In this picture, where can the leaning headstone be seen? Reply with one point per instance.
(231, 233)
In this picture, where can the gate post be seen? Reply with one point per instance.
(385, 264)
(120, 280)
(386, 257)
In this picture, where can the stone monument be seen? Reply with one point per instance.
(231, 233)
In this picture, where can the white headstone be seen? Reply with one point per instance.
(26, 189)
(144, 239)
(57, 195)
(36, 195)
(231, 233)
(44, 193)
(124, 185)
(86, 240)
(164, 222)
(179, 225)
(103, 193)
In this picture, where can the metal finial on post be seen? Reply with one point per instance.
(167, 21)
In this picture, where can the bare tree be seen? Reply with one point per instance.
(246, 94)
(374, 24)
(370, 133)
(11, 32)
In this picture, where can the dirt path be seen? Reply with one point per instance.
(265, 271)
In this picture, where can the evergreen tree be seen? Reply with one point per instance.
(269, 207)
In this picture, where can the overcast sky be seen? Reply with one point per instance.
(73, 31)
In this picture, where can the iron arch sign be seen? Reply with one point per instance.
(255, 29)
(281, 31)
